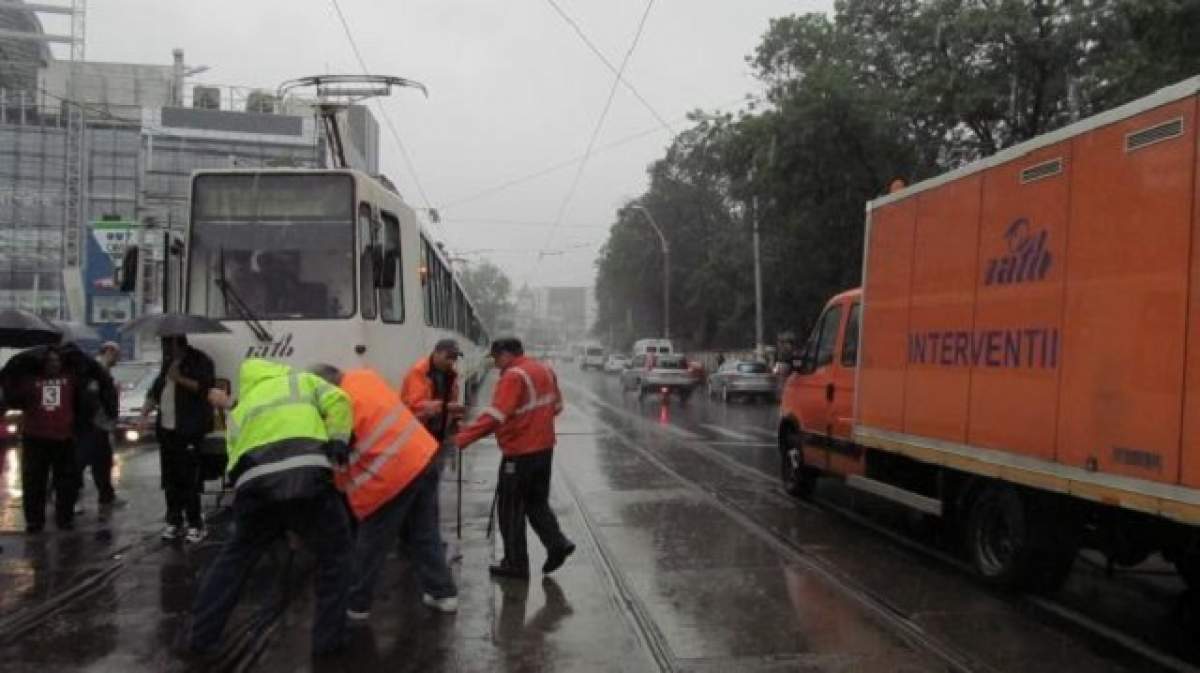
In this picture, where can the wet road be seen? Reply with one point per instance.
(690, 559)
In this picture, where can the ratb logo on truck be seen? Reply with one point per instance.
(1027, 259)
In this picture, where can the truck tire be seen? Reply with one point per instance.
(1013, 543)
(798, 480)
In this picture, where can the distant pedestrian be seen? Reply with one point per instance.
(392, 486)
(95, 438)
(524, 405)
(48, 401)
(184, 418)
(284, 437)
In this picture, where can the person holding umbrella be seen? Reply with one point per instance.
(180, 394)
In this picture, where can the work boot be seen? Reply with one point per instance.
(511, 571)
(556, 557)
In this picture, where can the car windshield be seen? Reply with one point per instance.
(752, 368)
(595, 351)
(133, 375)
(670, 362)
(283, 243)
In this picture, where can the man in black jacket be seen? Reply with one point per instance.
(184, 418)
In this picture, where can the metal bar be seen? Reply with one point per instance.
(916, 501)
(35, 37)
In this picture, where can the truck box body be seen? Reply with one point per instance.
(1034, 316)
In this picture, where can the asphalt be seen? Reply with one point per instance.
(689, 558)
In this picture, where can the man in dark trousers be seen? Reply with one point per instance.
(524, 405)
(48, 400)
(95, 434)
(184, 418)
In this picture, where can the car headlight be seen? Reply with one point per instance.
(132, 435)
(12, 428)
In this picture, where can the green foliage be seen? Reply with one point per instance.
(883, 89)
(490, 290)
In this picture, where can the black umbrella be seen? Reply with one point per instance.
(76, 331)
(21, 329)
(173, 324)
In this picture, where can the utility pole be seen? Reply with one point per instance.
(758, 290)
(666, 251)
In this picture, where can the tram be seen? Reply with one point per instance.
(312, 266)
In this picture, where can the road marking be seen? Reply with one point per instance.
(725, 432)
(758, 432)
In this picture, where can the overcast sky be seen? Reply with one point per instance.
(513, 90)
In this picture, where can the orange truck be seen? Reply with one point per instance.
(1023, 358)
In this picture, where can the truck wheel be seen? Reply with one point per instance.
(1014, 546)
(798, 480)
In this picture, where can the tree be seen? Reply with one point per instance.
(881, 89)
(490, 290)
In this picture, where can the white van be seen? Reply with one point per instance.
(592, 358)
(652, 346)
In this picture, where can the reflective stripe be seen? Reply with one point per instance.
(294, 386)
(381, 427)
(494, 413)
(543, 401)
(232, 429)
(529, 387)
(307, 460)
(382, 459)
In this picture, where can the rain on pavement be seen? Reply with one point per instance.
(690, 559)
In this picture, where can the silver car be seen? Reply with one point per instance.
(748, 378)
(666, 374)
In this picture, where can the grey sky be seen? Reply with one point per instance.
(512, 91)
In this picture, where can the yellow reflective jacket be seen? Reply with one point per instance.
(276, 435)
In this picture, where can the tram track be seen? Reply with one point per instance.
(1046, 607)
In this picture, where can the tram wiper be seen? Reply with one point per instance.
(239, 305)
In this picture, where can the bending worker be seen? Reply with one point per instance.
(392, 484)
(282, 438)
(522, 412)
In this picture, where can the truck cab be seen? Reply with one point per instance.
(817, 407)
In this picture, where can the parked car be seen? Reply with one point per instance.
(616, 363)
(745, 378)
(666, 374)
(133, 379)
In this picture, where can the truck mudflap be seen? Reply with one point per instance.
(1172, 502)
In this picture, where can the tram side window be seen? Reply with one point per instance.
(391, 299)
(366, 263)
(427, 281)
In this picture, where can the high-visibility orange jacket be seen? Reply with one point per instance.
(391, 447)
(522, 411)
(417, 388)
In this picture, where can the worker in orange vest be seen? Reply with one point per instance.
(524, 405)
(430, 389)
(391, 483)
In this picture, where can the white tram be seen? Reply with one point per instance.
(308, 266)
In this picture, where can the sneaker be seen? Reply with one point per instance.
(170, 533)
(195, 535)
(556, 557)
(447, 604)
(357, 616)
(79, 510)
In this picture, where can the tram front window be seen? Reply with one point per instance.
(282, 243)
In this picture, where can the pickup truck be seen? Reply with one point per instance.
(1022, 360)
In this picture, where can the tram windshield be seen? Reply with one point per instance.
(272, 246)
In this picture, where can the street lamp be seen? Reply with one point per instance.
(666, 251)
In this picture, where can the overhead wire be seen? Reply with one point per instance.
(619, 72)
(387, 119)
(566, 163)
(596, 130)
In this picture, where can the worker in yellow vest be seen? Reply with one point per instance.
(283, 439)
(391, 483)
